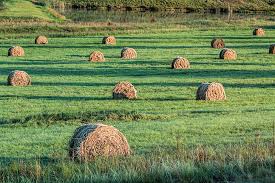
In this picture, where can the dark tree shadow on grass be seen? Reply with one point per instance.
(198, 37)
(143, 72)
(256, 46)
(158, 84)
(137, 85)
(167, 99)
(51, 97)
(79, 98)
(92, 47)
(232, 63)
(44, 160)
(41, 62)
(271, 27)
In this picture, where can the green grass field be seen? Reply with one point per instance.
(68, 90)
(14, 10)
(173, 137)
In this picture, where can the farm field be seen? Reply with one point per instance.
(67, 90)
(172, 136)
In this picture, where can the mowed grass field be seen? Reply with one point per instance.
(67, 90)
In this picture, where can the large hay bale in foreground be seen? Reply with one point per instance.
(16, 51)
(109, 40)
(41, 40)
(259, 32)
(124, 90)
(93, 140)
(228, 54)
(19, 78)
(272, 49)
(97, 56)
(217, 43)
(180, 63)
(128, 53)
(211, 91)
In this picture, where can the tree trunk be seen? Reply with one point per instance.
(230, 11)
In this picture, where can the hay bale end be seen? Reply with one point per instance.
(128, 53)
(93, 140)
(272, 49)
(16, 51)
(124, 90)
(228, 54)
(211, 91)
(217, 43)
(180, 63)
(41, 40)
(259, 32)
(19, 78)
(109, 40)
(96, 56)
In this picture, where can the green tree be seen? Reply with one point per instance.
(2, 3)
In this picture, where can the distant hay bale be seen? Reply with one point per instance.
(128, 53)
(124, 90)
(109, 40)
(97, 56)
(217, 43)
(41, 40)
(228, 54)
(16, 51)
(259, 32)
(272, 49)
(211, 91)
(180, 63)
(93, 140)
(19, 78)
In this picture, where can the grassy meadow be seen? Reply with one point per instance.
(67, 90)
(173, 137)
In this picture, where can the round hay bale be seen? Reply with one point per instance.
(211, 91)
(93, 140)
(272, 49)
(124, 90)
(19, 78)
(16, 51)
(128, 53)
(217, 43)
(259, 32)
(228, 54)
(180, 63)
(41, 40)
(97, 56)
(109, 40)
